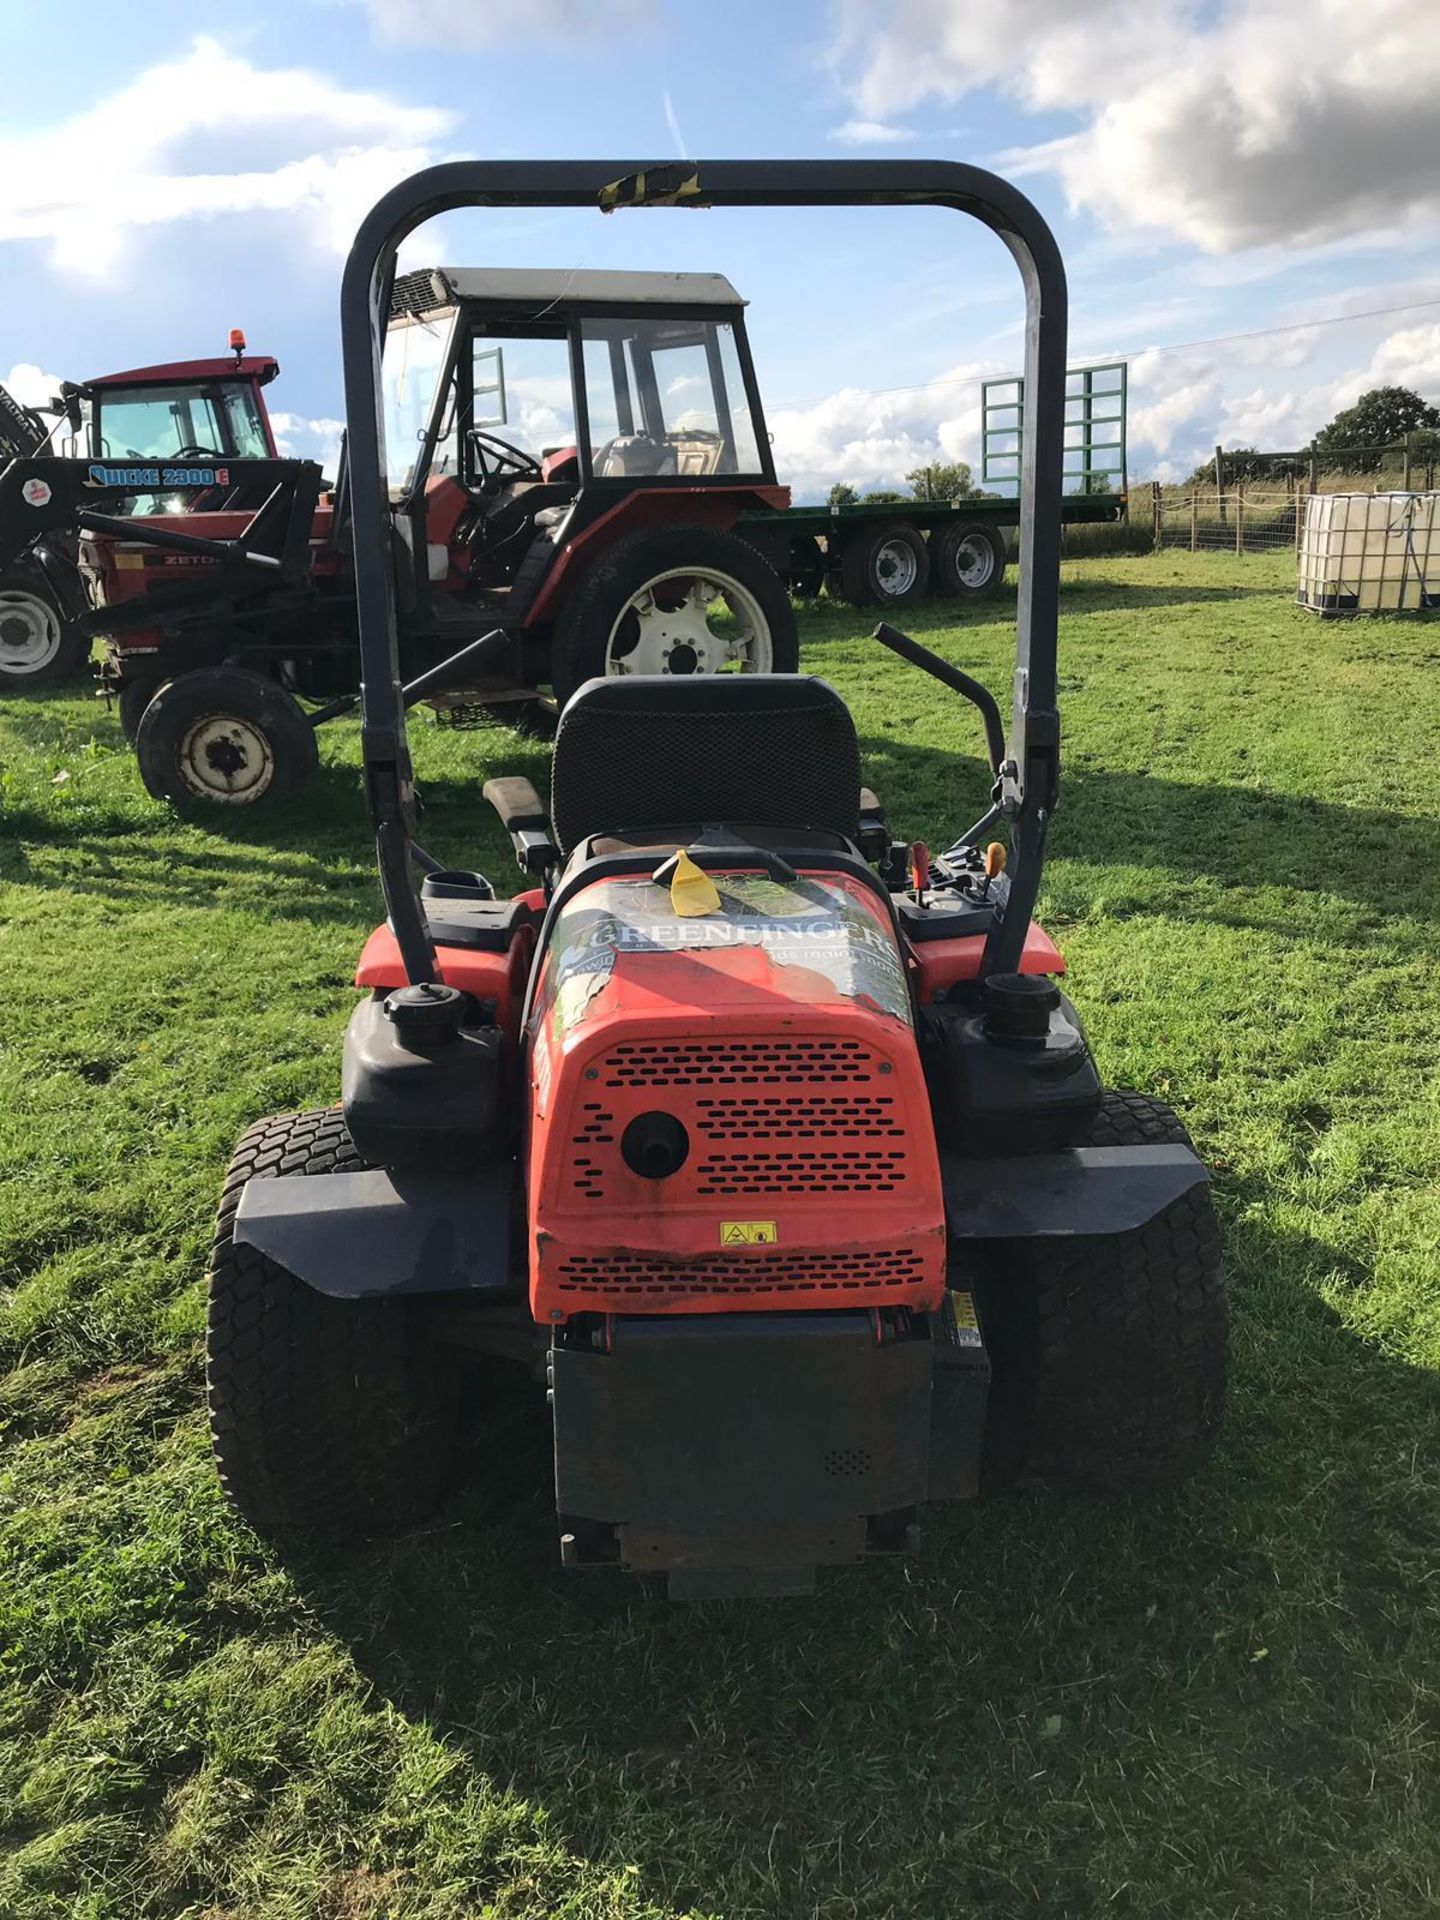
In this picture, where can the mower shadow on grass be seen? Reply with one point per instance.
(1241, 838)
(919, 1740)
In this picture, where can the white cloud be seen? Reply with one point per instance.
(207, 134)
(1282, 122)
(31, 386)
(297, 438)
(875, 439)
(453, 24)
(869, 133)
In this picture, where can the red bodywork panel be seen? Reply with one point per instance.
(501, 977)
(778, 1033)
(260, 367)
(939, 964)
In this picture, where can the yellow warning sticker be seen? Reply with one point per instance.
(748, 1233)
(962, 1309)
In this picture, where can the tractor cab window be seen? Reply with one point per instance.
(219, 419)
(416, 351)
(666, 396)
(521, 402)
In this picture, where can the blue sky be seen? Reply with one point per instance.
(1210, 170)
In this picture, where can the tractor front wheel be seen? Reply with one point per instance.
(328, 1417)
(224, 736)
(1108, 1354)
(676, 600)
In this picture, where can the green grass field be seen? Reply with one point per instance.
(1223, 1704)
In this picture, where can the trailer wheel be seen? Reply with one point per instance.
(224, 736)
(1109, 1355)
(966, 562)
(40, 646)
(807, 567)
(675, 600)
(327, 1417)
(886, 565)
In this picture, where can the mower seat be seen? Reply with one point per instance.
(651, 750)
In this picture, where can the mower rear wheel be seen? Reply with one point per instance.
(1109, 1354)
(675, 600)
(327, 1417)
(223, 736)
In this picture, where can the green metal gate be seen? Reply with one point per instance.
(1095, 447)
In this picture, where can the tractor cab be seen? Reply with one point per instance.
(521, 407)
(182, 410)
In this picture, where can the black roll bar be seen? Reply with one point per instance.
(1029, 776)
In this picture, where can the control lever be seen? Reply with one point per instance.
(957, 681)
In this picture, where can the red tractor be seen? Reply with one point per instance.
(568, 456)
(772, 1148)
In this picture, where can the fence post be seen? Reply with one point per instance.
(1157, 511)
(1220, 484)
(1314, 469)
(1406, 482)
(1194, 520)
(1299, 519)
(1240, 514)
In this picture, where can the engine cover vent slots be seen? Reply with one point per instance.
(730, 1063)
(593, 1131)
(635, 1274)
(801, 1170)
(798, 1116)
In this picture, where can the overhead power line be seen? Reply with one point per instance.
(1133, 353)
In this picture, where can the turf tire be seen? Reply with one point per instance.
(1108, 1355)
(582, 630)
(327, 1417)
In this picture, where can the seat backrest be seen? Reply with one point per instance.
(655, 750)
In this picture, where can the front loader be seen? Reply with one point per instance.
(772, 1147)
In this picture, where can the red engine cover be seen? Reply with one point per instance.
(777, 1031)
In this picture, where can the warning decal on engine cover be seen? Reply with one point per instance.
(748, 1233)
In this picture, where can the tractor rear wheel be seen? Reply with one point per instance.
(224, 736)
(40, 645)
(327, 1417)
(675, 600)
(1109, 1355)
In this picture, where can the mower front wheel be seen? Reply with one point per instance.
(1108, 1354)
(223, 736)
(328, 1417)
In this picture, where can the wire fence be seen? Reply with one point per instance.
(1255, 502)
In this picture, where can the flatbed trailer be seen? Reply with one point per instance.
(890, 552)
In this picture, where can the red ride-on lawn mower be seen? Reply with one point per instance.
(773, 1147)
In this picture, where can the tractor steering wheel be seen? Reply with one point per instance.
(197, 452)
(496, 457)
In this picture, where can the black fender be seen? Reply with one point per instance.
(356, 1236)
(1089, 1191)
